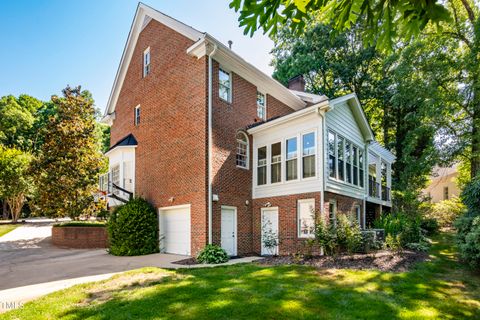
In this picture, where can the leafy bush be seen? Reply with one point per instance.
(419, 246)
(401, 228)
(369, 242)
(212, 254)
(430, 226)
(349, 236)
(468, 239)
(446, 211)
(471, 196)
(393, 242)
(133, 229)
(326, 237)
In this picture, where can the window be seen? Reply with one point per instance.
(224, 85)
(331, 155)
(348, 158)
(341, 162)
(242, 150)
(361, 176)
(276, 166)
(373, 188)
(146, 62)
(384, 174)
(137, 115)
(332, 212)
(306, 218)
(308, 155)
(116, 177)
(261, 106)
(262, 166)
(445, 193)
(291, 164)
(355, 165)
(358, 213)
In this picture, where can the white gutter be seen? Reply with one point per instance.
(210, 92)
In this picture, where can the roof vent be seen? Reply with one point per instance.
(297, 83)
(230, 42)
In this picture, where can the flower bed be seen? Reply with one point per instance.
(80, 236)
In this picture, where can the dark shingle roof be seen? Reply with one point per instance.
(127, 141)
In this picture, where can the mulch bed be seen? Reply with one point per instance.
(381, 260)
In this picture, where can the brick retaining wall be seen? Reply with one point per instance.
(80, 237)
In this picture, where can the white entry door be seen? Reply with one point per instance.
(175, 229)
(269, 230)
(229, 230)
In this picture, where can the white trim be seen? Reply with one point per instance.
(334, 202)
(299, 201)
(136, 117)
(221, 68)
(359, 214)
(235, 225)
(264, 118)
(118, 147)
(180, 206)
(247, 160)
(262, 210)
(145, 52)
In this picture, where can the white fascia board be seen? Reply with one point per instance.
(143, 12)
(232, 61)
(319, 108)
(381, 151)
(119, 148)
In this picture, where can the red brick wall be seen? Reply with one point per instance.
(234, 185)
(80, 237)
(287, 221)
(345, 205)
(172, 135)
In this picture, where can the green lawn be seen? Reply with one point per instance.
(6, 228)
(438, 289)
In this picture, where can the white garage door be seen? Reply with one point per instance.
(175, 229)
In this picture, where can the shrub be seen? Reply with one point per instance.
(133, 229)
(471, 196)
(212, 254)
(446, 211)
(468, 239)
(430, 226)
(369, 242)
(349, 236)
(393, 242)
(326, 237)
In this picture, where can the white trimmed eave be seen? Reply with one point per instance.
(320, 108)
(358, 113)
(143, 15)
(118, 148)
(232, 61)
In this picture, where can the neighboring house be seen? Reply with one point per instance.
(443, 184)
(225, 152)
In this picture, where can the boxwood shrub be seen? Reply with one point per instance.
(133, 229)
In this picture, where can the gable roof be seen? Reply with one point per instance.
(358, 114)
(128, 141)
(222, 54)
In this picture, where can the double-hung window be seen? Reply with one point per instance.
(332, 212)
(276, 164)
(225, 85)
(348, 158)
(262, 166)
(306, 218)
(331, 155)
(355, 165)
(308, 155)
(361, 161)
(136, 115)
(242, 150)
(291, 160)
(116, 177)
(261, 106)
(341, 157)
(146, 62)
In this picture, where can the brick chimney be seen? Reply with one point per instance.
(297, 83)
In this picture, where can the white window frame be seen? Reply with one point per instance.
(358, 213)
(314, 154)
(230, 89)
(257, 166)
(332, 202)
(247, 150)
(137, 115)
(292, 159)
(299, 218)
(271, 163)
(260, 107)
(146, 64)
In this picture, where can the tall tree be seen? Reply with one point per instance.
(15, 179)
(70, 161)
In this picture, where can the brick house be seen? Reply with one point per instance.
(225, 152)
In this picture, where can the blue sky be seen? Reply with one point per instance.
(47, 44)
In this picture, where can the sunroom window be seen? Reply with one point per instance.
(291, 165)
(341, 157)
(331, 155)
(308, 144)
(348, 158)
(361, 162)
(276, 166)
(355, 165)
(262, 166)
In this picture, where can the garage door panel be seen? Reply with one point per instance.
(175, 230)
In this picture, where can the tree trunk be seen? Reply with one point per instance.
(16, 205)
(475, 160)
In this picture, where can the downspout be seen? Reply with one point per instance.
(210, 92)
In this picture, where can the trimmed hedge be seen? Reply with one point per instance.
(133, 229)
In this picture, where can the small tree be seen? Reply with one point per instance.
(270, 238)
(70, 161)
(15, 180)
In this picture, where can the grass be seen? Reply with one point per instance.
(6, 228)
(439, 288)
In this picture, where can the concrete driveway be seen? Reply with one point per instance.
(30, 266)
